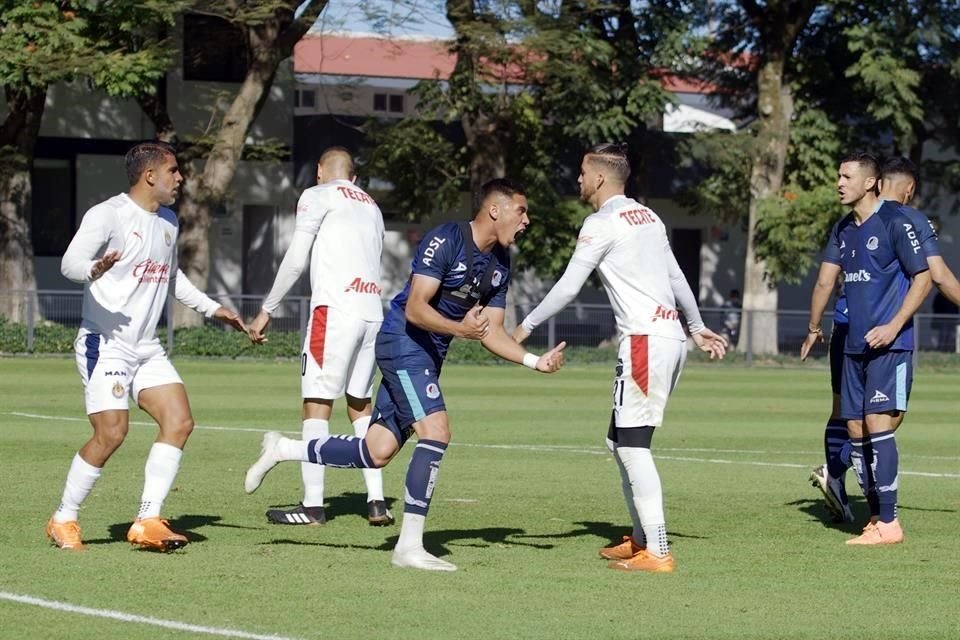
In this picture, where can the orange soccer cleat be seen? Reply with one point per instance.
(879, 533)
(645, 561)
(623, 551)
(66, 535)
(155, 534)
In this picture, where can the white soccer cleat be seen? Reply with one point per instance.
(418, 558)
(269, 457)
(833, 493)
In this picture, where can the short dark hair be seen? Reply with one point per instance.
(144, 155)
(502, 186)
(866, 160)
(613, 158)
(899, 166)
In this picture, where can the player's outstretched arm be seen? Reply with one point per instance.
(230, 317)
(711, 342)
(520, 334)
(80, 262)
(502, 345)
(257, 326)
(560, 295)
(822, 288)
(944, 279)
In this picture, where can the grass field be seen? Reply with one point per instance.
(527, 494)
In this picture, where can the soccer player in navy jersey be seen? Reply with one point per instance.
(458, 288)
(886, 279)
(898, 183)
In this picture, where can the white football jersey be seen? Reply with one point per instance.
(345, 227)
(126, 302)
(627, 245)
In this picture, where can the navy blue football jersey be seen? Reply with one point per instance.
(878, 259)
(441, 255)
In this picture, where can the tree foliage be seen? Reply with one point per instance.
(534, 84)
(42, 43)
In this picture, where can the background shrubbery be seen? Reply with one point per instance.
(216, 342)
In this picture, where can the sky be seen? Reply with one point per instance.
(416, 18)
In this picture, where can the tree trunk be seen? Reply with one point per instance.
(270, 43)
(774, 108)
(18, 137)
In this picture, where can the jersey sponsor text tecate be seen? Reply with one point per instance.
(355, 194)
(637, 216)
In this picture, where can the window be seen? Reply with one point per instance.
(52, 218)
(306, 98)
(388, 102)
(214, 50)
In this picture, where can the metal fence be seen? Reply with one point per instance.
(589, 325)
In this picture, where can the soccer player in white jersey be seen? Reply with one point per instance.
(344, 227)
(125, 254)
(626, 243)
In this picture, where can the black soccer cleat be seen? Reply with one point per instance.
(298, 515)
(378, 515)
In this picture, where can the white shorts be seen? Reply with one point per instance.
(338, 355)
(112, 372)
(648, 368)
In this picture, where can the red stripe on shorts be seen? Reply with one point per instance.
(318, 334)
(640, 363)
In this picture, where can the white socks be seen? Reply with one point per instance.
(639, 537)
(163, 463)
(647, 494)
(313, 474)
(80, 480)
(411, 531)
(373, 478)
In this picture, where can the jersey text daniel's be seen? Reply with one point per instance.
(627, 243)
(878, 258)
(345, 261)
(441, 255)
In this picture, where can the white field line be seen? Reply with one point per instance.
(595, 451)
(140, 620)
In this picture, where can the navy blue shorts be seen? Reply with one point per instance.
(409, 390)
(875, 382)
(838, 338)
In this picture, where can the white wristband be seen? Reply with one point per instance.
(530, 360)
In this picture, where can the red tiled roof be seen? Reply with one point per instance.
(371, 56)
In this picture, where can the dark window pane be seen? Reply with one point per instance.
(379, 102)
(213, 49)
(396, 104)
(52, 210)
(307, 99)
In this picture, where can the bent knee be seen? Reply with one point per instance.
(178, 429)
(111, 437)
(381, 456)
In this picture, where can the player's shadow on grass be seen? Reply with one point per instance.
(186, 524)
(817, 510)
(439, 541)
(901, 507)
(605, 531)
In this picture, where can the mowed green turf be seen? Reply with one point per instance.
(526, 497)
